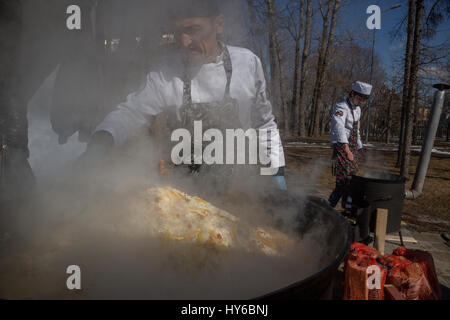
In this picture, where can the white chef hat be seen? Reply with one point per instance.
(362, 88)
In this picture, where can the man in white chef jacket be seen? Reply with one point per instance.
(346, 138)
(198, 75)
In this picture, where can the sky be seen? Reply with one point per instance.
(386, 47)
(353, 16)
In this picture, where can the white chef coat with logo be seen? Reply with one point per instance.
(164, 89)
(342, 123)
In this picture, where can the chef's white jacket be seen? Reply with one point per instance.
(164, 89)
(342, 123)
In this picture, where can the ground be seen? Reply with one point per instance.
(308, 168)
(308, 165)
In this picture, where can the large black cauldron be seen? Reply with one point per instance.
(338, 237)
(381, 191)
(327, 226)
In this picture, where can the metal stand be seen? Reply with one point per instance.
(401, 238)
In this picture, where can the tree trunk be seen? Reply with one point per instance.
(274, 74)
(305, 56)
(389, 118)
(284, 104)
(257, 47)
(275, 49)
(327, 53)
(315, 104)
(327, 36)
(295, 90)
(416, 132)
(322, 122)
(404, 169)
(448, 129)
(406, 78)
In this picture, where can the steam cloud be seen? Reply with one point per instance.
(82, 217)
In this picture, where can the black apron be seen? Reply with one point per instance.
(343, 168)
(221, 115)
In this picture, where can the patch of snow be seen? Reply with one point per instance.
(369, 146)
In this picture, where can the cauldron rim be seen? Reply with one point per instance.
(384, 181)
(327, 270)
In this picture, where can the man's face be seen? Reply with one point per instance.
(198, 38)
(359, 100)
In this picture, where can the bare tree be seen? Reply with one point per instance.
(404, 168)
(321, 51)
(406, 78)
(255, 30)
(276, 62)
(273, 35)
(284, 104)
(324, 48)
(305, 55)
(415, 133)
(294, 28)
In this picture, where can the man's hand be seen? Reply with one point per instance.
(350, 156)
(348, 153)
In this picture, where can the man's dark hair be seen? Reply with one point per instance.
(184, 9)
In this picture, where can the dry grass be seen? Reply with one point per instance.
(430, 212)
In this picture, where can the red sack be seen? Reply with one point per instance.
(411, 282)
(431, 288)
(355, 274)
(361, 249)
(393, 261)
(412, 272)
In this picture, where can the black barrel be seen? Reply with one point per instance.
(381, 191)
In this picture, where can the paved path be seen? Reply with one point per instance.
(428, 241)
(434, 244)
